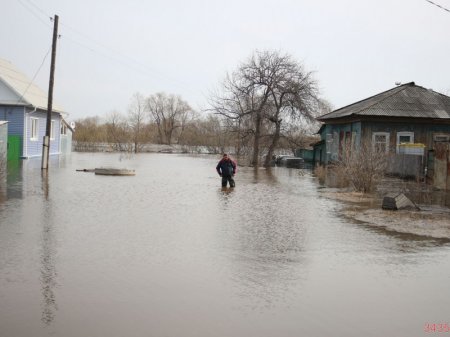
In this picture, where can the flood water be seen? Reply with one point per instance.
(168, 252)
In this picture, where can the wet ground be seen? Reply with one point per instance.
(430, 216)
(168, 252)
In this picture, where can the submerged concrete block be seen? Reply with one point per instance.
(396, 201)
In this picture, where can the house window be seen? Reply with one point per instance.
(34, 129)
(63, 129)
(380, 141)
(404, 137)
(329, 140)
(441, 138)
(52, 130)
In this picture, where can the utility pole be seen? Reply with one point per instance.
(46, 142)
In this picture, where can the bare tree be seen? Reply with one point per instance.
(167, 112)
(90, 130)
(241, 102)
(266, 92)
(301, 132)
(293, 93)
(186, 118)
(136, 117)
(118, 132)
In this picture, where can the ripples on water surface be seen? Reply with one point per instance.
(170, 253)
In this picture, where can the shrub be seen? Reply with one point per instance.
(320, 172)
(362, 167)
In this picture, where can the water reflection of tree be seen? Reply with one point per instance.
(269, 251)
(47, 258)
(265, 175)
(265, 234)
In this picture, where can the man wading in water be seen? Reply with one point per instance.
(226, 169)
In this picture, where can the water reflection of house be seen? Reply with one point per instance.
(3, 144)
(3, 139)
(389, 121)
(24, 106)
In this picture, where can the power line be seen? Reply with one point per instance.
(35, 75)
(34, 13)
(39, 9)
(111, 54)
(121, 58)
(441, 7)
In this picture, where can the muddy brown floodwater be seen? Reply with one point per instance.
(168, 252)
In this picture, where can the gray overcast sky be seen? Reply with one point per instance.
(111, 49)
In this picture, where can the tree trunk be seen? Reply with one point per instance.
(273, 145)
(255, 160)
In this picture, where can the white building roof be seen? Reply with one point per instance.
(16, 89)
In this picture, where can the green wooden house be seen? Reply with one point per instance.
(405, 114)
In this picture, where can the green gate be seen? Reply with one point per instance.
(14, 147)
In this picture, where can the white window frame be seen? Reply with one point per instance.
(63, 129)
(402, 134)
(387, 143)
(34, 129)
(52, 130)
(441, 137)
(329, 140)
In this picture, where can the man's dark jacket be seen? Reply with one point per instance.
(226, 167)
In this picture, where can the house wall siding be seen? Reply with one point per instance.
(336, 135)
(33, 148)
(423, 132)
(14, 116)
(66, 143)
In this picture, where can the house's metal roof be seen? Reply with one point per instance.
(407, 100)
(27, 92)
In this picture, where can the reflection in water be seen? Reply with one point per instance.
(45, 184)
(226, 194)
(269, 176)
(264, 175)
(14, 179)
(264, 231)
(226, 190)
(3, 174)
(47, 258)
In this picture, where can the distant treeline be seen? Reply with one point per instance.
(268, 103)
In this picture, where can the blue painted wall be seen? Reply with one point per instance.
(19, 124)
(33, 148)
(14, 116)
